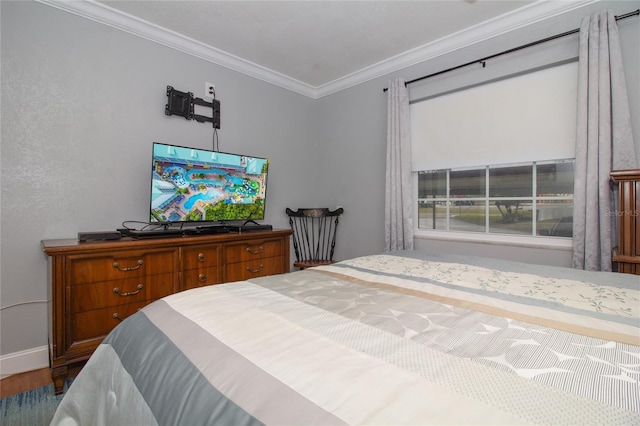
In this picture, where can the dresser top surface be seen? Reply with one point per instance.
(70, 245)
(622, 175)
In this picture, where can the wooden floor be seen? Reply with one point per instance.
(23, 382)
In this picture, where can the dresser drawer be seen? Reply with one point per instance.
(98, 323)
(84, 307)
(253, 268)
(91, 296)
(120, 265)
(251, 250)
(201, 256)
(202, 276)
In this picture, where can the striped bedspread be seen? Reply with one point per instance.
(407, 338)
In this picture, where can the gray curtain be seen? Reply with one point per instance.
(398, 221)
(604, 141)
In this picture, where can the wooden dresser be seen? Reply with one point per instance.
(96, 285)
(627, 254)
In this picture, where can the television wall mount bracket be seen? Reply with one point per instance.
(183, 104)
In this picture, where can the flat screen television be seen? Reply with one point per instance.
(196, 185)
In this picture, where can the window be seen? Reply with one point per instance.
(525, 199)
(495, 158)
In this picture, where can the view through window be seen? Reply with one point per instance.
(525, 199)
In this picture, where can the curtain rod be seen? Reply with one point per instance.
(524, 46)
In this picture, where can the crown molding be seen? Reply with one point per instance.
(519, 18)
(106, 15)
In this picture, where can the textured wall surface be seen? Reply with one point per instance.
(82, 103)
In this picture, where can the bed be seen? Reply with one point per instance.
(396, 338)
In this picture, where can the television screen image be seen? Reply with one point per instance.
(196, 185)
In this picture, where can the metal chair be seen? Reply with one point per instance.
(314, 235)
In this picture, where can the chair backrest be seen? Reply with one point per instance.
(314, 235)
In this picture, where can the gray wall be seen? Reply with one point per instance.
(82, 102)
(81, 105)
(354, 132)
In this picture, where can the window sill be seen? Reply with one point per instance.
(555, 243)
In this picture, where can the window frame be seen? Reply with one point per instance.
(526, 240)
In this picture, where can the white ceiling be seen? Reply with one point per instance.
(316, 47)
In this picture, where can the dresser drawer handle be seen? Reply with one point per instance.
(116, 317)
(260, 249)
(129, 268)
(202, 278)
(255, 271)
(201, 257)
(116, 290)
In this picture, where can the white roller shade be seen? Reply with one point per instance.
(530, 117)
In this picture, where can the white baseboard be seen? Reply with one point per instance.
(20, 362)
